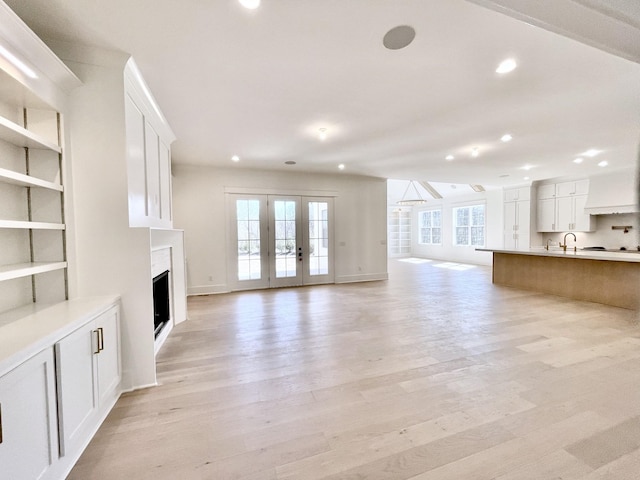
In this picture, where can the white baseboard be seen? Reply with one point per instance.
(207, 290)
(367, 277)
(140, 387)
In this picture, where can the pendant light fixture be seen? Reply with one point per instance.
(411, 195)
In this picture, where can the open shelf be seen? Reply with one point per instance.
(15, 178)
(31, 225)
(21, 137)
(19, 270)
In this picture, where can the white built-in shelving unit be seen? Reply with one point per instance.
(33, 88)
(33, 258)
(399, 231)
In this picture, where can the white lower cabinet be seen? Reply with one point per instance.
(53, 402)
(87, 374)
(28, 430)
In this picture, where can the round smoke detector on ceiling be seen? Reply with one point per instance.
(399, 37)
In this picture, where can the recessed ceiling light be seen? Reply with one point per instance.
(250, 4)
(235, 158)
(527, 167)
(526, 178)
(289, 162)
(603, 163)
(578, 160)
(506, 138)
(341, 166)
(449, 157)
(475, 152)
(399, 37)
(591, 153)
(322, 133)
(508, 65)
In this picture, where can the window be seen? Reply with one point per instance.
(468, 225)
(430, 227)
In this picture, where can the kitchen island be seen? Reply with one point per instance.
(610, 278)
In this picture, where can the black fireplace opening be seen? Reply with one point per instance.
(161, 312)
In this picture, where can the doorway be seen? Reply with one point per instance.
(279, 241)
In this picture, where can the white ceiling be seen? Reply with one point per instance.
(259, 84)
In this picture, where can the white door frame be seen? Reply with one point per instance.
(267, 251)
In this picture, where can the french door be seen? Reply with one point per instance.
(279, 241)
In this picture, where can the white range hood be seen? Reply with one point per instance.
(614, 192)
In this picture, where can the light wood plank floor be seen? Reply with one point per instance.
(435, 374)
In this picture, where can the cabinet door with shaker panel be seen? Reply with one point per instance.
(28, 430)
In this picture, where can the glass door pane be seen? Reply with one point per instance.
(248, 243)
(285, 254)
(247, 265)
(285, 238)
(318, 241)
(318, 238)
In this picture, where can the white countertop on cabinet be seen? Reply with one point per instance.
(616, 256)
(29, 330)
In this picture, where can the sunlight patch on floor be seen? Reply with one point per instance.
(454, 266)
(416, 261)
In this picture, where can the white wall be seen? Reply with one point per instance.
(199, 209)
(492, 200)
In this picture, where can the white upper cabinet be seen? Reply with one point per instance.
(517, 194)
(165, 183)
(137, 174)
(566, 189)
(561, 207)
(547, 191)
(152, 160)
(149, 138)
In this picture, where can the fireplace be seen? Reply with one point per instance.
(161, 309)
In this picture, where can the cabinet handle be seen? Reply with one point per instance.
(97, 332)
(100, 339)
(0, 423)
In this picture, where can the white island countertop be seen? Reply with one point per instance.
(613, 256)
(28, 330)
